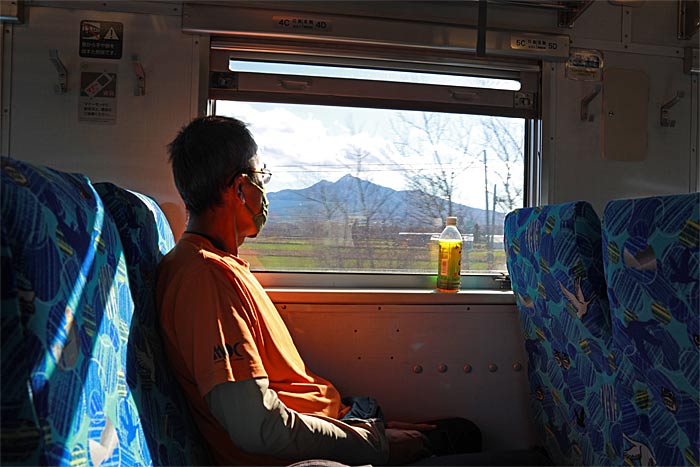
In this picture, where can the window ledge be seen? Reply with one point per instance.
(361, 296)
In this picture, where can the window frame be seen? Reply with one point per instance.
(225, 84)
(294, 89)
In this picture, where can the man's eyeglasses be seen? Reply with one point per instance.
(265, 174)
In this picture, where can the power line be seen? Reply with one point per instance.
(374, 167)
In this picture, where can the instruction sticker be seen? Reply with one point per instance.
(101, 39)
(585, 65)
(98, 93)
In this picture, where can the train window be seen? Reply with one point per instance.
(367, 168)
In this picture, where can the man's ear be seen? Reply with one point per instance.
(234, 192)
(237, 188)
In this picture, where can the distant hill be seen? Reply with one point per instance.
(354, 198)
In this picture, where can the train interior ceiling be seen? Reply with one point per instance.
(538, 103)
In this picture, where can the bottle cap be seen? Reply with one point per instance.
(451, 221)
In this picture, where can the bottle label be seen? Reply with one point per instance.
(449, 265)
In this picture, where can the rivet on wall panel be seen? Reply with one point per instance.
(467, 368)
(417, 369)
(442, 368)
(517, 366)
(493, 367)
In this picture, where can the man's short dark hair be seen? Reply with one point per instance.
(205, 156)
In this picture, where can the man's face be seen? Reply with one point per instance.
(252, 193)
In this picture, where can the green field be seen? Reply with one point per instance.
(277, 254)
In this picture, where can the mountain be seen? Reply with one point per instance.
(355, 198)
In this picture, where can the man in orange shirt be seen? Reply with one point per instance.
(248, 388)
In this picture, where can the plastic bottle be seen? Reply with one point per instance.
(449, 257)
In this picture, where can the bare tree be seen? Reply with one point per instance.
(327, 199)
(366, 201)
(434, 149)
(371, 198)
(505, 141)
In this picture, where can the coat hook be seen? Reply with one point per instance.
(60, 87)
(585, 102)
(663, 117)
(140, 88)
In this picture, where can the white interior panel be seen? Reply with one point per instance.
(131, 152)
(639, 37)
(578, 169)
(412, 359)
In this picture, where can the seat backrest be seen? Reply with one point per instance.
(554, 259)
(651, 253)
(146, 238)
(84, 379)
(66, 312)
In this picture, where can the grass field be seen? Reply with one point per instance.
(276, 254)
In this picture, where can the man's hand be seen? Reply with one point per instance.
(406, 443)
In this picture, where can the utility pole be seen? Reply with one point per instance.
(486, 195)
(489, 248)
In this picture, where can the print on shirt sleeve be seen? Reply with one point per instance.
(222, 352)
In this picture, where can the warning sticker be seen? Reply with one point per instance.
(98, 93)
(101, 39)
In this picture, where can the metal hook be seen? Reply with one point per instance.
(140, 88)
(60, 87)
(663, 117)
(586, 101)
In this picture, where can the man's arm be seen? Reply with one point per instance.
(259, 423)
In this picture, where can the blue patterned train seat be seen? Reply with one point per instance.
(651, 253)
(146, 238)
(70, 384)
(66, 313)
(555, 264)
